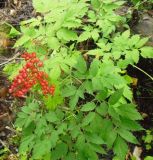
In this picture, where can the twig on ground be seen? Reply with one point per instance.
(11, 129)
(11, 59)
(3, 143)
(143, 72)
(3, 115)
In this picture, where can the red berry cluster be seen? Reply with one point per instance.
(30, 75)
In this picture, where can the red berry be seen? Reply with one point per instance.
(19, 81)
(29, 64)
(29, 76)
(24, 75)
(33, 54)
(40, 64)
(52, 90)
(36, 60)
(10, 90)
(26, 58)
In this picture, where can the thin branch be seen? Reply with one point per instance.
(11, 129)
(11, 59)
(3, 115)
(3, 143)
(143, 72)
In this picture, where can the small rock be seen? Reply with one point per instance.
(2, 134)
(145, 27)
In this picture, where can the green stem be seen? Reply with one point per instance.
(143, 72)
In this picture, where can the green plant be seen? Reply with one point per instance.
(4, 153)
(86, 58)
(148, 158)
(141, 1)
(142, 4)
(148, 139)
